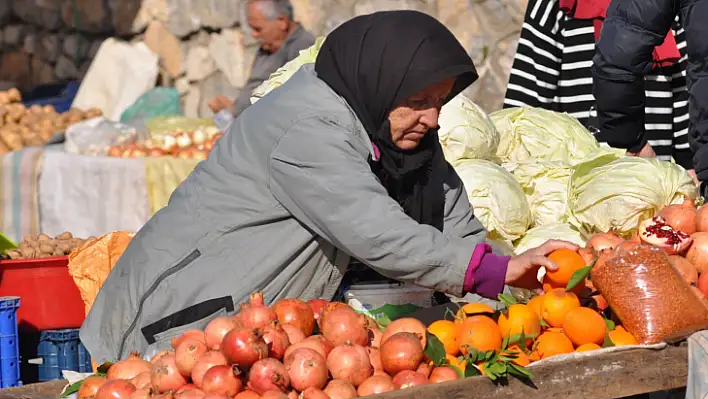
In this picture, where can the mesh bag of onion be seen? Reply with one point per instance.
(649, 295)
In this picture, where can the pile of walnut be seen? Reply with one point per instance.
(22, 127)
(43, 246)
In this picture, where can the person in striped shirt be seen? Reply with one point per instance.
(552, 69)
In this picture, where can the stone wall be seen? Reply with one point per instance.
(205, 46)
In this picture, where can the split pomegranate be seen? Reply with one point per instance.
(680, 217)
(601, 241)
(247, 394)
(160, 354)
(222, 380)
(165, 375)
(193, 334)
(204, 363)
(375, 337)
(306, 369)
(330, 307)
(274, 395)
(687, 270)
(90, 386)
(128, 368)
(375, 384)
(350, 363)
(187, 354)
(115, 389)
(375, 358)
(244, 346)
(344, 325)
(702, 219)
(409, 325)
(316, 342)
(142, 380)
(401, 351)
(268, 375)
(144, 393)
(296, 313)
(317, 306)
(294, 334)
(407, 378)
(698, 252)
(442, 374)
(338, 389)
(277, 339)
(255, 314)
(313, 393)
(656, 231)
(217, 329)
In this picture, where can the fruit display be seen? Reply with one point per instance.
(44, 246)
(188, 145)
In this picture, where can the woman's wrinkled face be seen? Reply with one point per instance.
(412, 119)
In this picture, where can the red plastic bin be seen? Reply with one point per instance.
(50, 298)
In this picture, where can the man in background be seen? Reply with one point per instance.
(280, 38)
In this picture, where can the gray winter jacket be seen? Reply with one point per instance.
(284, 200)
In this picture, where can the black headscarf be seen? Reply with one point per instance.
(375, 62)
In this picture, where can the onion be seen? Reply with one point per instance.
(698, 252)
(277, 339)
(274, 395)
(306, 369)
(165, 375)
(193, 334)
(350, 363)
(268, 375)
(442, 374)
(375, 358)
(247, 394)
(687, 270)
(204, 363)
(407, 378)
(338, 389)
(255, 314)
(702, 219)
(680, 217)
(115, 389)
(90, 386)
(142, 380)
(160, 354)
(187, 353)
(128, 368)
(401, 351)
(217, 329)
(222, 380)
(316, 342)
(601, 241)
(313, 393)
(296, 313)
(376, 384)
(244, 346)
(317, 306)
(144, 393)
(344, 325)
(409, 325)
(294, 334)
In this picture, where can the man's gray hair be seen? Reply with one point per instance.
(272, 9)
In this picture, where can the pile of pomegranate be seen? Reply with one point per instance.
(271, 352)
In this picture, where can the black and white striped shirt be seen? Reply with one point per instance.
(552, 70)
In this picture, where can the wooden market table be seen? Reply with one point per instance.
(612, 375)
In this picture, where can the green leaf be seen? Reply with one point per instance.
(519, 371)
(471, 370)
(610, 324)
(457, 370)
(544, 324)
(578, 277)
(103, 369)
(608, 342)
(489, 355)
(507, 300)
(435, 350)
(505, 342)
(73, 388)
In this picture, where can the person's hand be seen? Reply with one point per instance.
(219, 103)
(522, 270)
(645, 152)
(692, 173)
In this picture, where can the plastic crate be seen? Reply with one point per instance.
(60, 96)
(59, 350)
(50, 298)
(9, 347)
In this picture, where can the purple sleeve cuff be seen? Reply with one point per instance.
(486, 272)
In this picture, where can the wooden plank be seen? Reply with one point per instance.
(42, 390)
(612, 375)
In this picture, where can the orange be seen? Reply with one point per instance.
(522, 359)
(534, 356)
(568, 262)
(471, 309)
(554, 329)
(579, 290)
(454, 361)
(584, 326)
(481, 333)
(621, 337)
(447, 332)
(556, 306)
(588, 348)
(553, 343)
(520, 319)
(535, 304)
(480, 367)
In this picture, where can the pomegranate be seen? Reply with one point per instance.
(702, 219)
(698, 252)
(244, 346)
(165, 375)
(588, 255)
(401, 351)
(306, 369)
(144, 393)
(376, 384)
(128, 368)
(217, 329)
(375, 358)
(699, 294)
(442, 374)
(425, 369)
(409, 325)
(292, 394)
(313, 393)
(338, 389)
(274, 395)
(656, 232)
(186, 387)
(296, 313)
(703, 283)
(222, 380)
(247, 394)
(268, 375)
(375, 336)
(191, 393)
(316, 342)
(115, 389)
(160, 354)
(330, 307)
(294, 334)
(277, 339)
(187, 353)
(317, 306)
(217, 396)
(680, 217)
(90, 386)
(687, 270)
(166, 395)
(204, 363)
(350, 363)
(601, 241)
(407, 378)
(344, 325)
(193, 334)
(142, 380)
(255, 314)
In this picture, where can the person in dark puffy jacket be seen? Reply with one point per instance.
(624, 55)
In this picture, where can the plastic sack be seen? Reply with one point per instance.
(649, 295)
(466, 132)
(539, 235)
(96, 135)
(160, 101)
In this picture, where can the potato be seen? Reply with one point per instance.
(58, 252)
(64, 246)
(64, 236)
(14, 95)
(36, 109)
(93, 112)
(49, 109)
(28, 253)
(43, 237)
(14, 254)
(11, 139)
(46, 249)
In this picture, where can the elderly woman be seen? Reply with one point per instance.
(342, 162)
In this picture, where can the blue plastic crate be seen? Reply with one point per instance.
(9, 348)
(60, 96)
(59, 350)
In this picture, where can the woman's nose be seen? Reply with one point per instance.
(429, 117)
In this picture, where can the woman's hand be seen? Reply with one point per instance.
(646, 152)
(523, 269)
